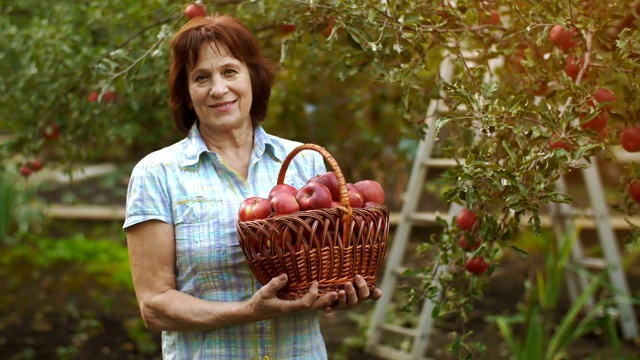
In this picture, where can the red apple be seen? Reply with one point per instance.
(329, 29)
(370, 204)
(596, 124)
(630, 139)
(573, 67)
(330, 180)
(195, 10)
(284, 203)
(558, 143)
(476, 265)
(472, 245)
(36, 165)
(356, 200)
(563, 39)
(335, 204)
(25, 171)
(286, 29)
(314, 195)
(371, 191)
(254, 208)
(466, 219)
(492, 19)
(634, 190)
(108, 96)
(602, 96)
(51, 131)
(93, 96)
(283, 188)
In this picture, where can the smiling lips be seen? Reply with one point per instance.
(223, 106)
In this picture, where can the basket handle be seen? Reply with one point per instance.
(342, 183)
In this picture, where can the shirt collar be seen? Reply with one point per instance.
(194, 146)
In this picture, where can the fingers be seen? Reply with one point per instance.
(363, 288)
(276, 284)
(376, 294)
(312, 299)
(354, 294)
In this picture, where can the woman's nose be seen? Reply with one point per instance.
(218, 88)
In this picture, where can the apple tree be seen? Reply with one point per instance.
(87, 81)
(539, 89)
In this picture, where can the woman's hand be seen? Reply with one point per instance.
(265, 303)
(351, 296)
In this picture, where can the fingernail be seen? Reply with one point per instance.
(283, 277)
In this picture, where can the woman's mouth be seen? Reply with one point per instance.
(223, 106)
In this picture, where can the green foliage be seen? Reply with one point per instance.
(541, 337)
(20, 209)
(105, 260)
(59, 54)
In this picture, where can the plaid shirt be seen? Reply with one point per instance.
(191, 188)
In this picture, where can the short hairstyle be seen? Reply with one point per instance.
(185, 48)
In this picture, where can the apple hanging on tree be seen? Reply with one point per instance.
(93, 96)
(466, 219)
(25, 171)
(602, 96)
(37, 165)
(563, 39)
(634, 190)
(195, 10)
(51, 131)
(470, 245)
(630, 139)
(557, 142)
(476, 265)
(598, 123)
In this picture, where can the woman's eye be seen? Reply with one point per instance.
(230, 72)
(200, 78)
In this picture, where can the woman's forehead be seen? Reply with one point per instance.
(213, 49)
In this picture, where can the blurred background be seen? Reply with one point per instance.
(83, 97)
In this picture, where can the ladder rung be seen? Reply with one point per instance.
(424, 217)
(592, 263)
(389, 352)
(441, 162)
(398, 329)
(572, 211)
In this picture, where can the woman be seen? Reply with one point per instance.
(190, 275)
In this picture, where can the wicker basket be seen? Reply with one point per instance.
(330, 246)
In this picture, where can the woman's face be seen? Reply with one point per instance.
(220, 89)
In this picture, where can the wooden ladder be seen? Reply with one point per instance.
(410, 216)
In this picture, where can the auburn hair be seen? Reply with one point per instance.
(185, 49)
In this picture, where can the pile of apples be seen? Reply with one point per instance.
(320, 192)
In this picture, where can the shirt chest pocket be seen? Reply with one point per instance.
(196, 219)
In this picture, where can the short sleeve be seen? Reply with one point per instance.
(147, 196)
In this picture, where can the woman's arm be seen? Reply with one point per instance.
(152, 255)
